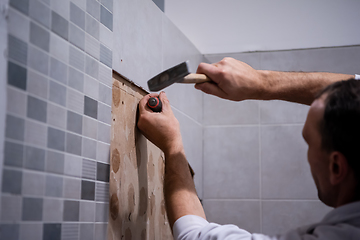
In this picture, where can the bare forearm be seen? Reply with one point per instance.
(299, 87)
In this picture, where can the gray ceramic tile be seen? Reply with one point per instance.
(38, 60)
(37, 84)
(92, 26)
(80, 3)
(11, 208)
(39, 36)
(106, 18)
(89, 148)
(55, 162)
(104, 132)
(77, 36)
(93, 8)
(105, 75)
(86, 231)
(101, 231)
(103, 152)
(72, 188)
(35, 133)
(16, 76)
(57, 93)
(9, 231)
(70, 231)
(77, 16)
(54, 186)
(77, 58)
(18, 25)
(61, 7)
(87, 211)
(103, 172)
(72, 166)
(76, 79)
(33, 184)
(75, 101)
(105, 94)
(53, 210)
(71, 211)
(52, 231)
(90, 107)
(74, 122)
(59, 25)
(92, 67)
(88, 169)
(282, 216)
(283, 146)
(104, 113)
(21, 5)
(91, 87)
(36, 109)
(73, 144)
(31, 231)
(102, 192)
(92, 47)
(17, 49)
(58, 70)
(87, 190)
(15, 128)
(231, 162)
(34, 158)
(90, 127)
(40, 13)
(102, 212)
(47, 2)
(56, 139)
(16, 101)
(108, 4)
(14, 154)
(59, 48)
(105, 56)
(106, 37)
(56, 116)
(242, 213)
(160, 4)
(32, 209)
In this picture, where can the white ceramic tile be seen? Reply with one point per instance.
(37, 84)
(80, 3)
(75, 101)
(103, 152)
(61, 7)
(31, 231)
(90, 127)
(35, 133)
(53, 210)
(106, 36)
(72, 188)
(92, 46)
(91, 87)
(56, 116)
(59, 48)
(16, 102)
(18, 25)
(105, 74)
(72, 165)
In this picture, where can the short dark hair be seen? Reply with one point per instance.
(340, 126)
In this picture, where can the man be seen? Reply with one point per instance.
(332, 131)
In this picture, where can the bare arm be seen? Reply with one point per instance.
(235, 80)
(163, 130)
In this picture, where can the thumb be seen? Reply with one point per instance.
(165, 102)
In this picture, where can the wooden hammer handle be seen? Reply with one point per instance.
(195, 78)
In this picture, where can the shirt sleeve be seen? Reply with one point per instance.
(357, 77)
(191, 227)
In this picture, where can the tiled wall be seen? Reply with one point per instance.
(256, 173)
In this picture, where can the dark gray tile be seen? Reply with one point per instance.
(92, 26)
(105, 56)
(52, 231)
(58, 70)
(14, 154)
(16, 76)
(77, 58)
(89, 148)
(105, 94)
(87, 231)
(74, 122)
(11, 182)
(32, 209)
(76, 79)
(77, 16)
(71, 211)
(109, 4)
(39, 37)
(54, 186)
(77, 36)
(57, 93)
(92, 67)
(106, 18)
(88, 169)
(87, 190)
(73, 144)
(59, 25)
(40, 13)
(34, 158)
(103, 172)
(38, 60)
(90, 107)
(17, 50)
(36, 109)
(56, 139)
(21, 5)
(15, 128)
(9, 231)
(93, 8)
(55, 162)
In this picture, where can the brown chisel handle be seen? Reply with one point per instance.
(195, 78)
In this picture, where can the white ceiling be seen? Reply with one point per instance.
(225, 26)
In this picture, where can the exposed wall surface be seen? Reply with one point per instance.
(256, 173)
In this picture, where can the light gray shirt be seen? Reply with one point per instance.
(342, 223)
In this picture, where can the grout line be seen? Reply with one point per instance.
(199, 124)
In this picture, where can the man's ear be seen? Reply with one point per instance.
(338, 167)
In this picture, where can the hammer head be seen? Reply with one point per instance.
(168, 77)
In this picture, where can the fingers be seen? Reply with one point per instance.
(210, 88)
(165, 102)
(143, 103)
(210, 70)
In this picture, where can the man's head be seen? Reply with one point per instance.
(332, 131)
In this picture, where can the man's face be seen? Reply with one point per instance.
(317, 157)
